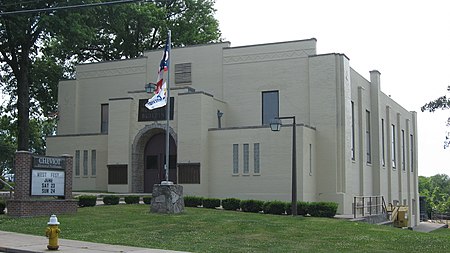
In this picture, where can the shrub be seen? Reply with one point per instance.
(192, 201)
(322, 209)
(147, 200)
(87, 200)
(132, 199)
(302, 208)
(111, 200)
(251, 205)
(2, 206)
(231, 204)
(211, 202)
(274, 207)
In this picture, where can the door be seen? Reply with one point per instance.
(154, 161)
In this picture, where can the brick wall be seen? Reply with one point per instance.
(25, 205)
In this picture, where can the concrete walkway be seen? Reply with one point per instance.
(18, 243)
(427, 227)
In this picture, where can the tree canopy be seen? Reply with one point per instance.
(40, 48)
(440, 103)
(436, 190)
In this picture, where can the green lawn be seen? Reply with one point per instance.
(206, 230)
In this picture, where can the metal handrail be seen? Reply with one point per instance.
(368, 205)
(11, 189)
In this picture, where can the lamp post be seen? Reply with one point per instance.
(275, 125)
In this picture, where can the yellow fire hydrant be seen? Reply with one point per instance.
(52, 232)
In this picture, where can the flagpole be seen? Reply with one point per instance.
(169, 34)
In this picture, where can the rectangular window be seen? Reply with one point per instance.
(183, 73)
(368, 149)
(246, 158)
(411, 150)
(105, 118)
(403, 151)
(353, 132)
(189, 173)
(256, 168)
(383, 163)
(393, 145)
(270, 106)
(93, 162)
(118, 174)
(85, 162)
(77, 162)
(310, 159)
(235, 158)
(144, 114)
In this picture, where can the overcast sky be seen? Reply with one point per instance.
(408, 41)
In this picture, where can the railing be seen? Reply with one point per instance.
(11, 189)
(368, 205)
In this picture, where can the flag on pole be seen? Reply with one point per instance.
(159, 99)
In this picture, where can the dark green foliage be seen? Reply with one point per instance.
(231, 204)
(192, 201)
(132, 199)
(87, 200)
(2, 206)
(111, 199)
(147, 200)
(211, 202)
(302, 208)
(322, 209)
(252, 206)
(274, 207)
(440, 103)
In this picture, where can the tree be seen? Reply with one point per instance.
(440, 103)
(38, 49)
(436, 190)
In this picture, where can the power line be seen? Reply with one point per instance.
(67, 7)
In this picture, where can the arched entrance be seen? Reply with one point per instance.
(154, 160)
(138, 157)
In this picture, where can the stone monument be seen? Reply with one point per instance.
(167, 198)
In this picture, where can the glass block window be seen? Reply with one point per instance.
(85, 162)
(93, 162)
(77, 162)
(256, 165)
(183, 73)
(246, 157)
(235, 158)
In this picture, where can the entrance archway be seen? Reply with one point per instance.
(154, 160)
(138, 160)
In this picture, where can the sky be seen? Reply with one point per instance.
(407, 41)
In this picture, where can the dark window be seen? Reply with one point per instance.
(393, 158)
(382, 143)
(85, 162)
(353, 132)
(77, 162)
(144, 114)
(368, 148)
(235, 158)
(105, 118)
(183, 73)
(246, 158)
(411, 150)
(117, 174)
(270, 106)
(256, 161)
(403, 151)
(189, 173)
(93, 162)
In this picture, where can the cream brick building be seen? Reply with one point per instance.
(352, 139)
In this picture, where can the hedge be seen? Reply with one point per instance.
(302, 208)
(211, 202)
(111, 200)
(2, 206)
(147, 200)
(274, 207)
(192, 201)
(132, 199)
(87, 200)
(252, 206)
(322, 209)
(231, 204)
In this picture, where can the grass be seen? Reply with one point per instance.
(208, 230)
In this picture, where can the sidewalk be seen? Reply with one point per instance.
(18, 243)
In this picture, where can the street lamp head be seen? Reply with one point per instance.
(150, 87)
(275, 124)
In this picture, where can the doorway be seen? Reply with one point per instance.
(154, 160)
